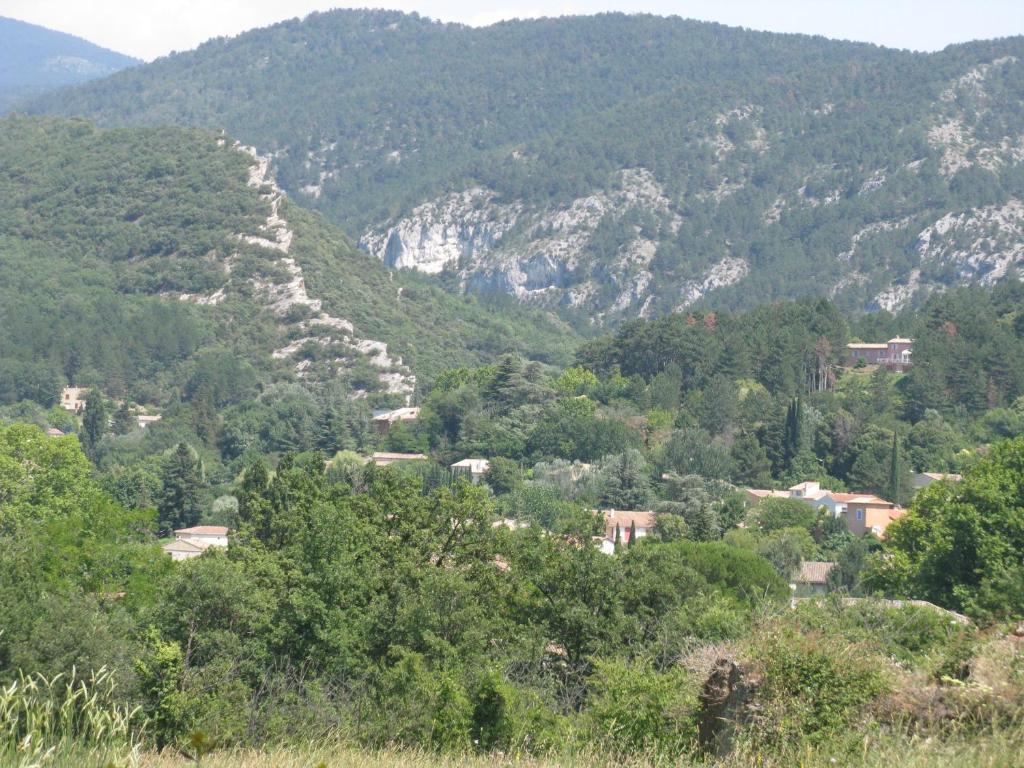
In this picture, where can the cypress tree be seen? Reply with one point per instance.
(894, 470)
(632, 533)
(618, 535)
(94, 422)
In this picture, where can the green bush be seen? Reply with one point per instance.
(813, 688)
(634, 708)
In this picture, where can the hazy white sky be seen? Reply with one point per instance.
(151, 28)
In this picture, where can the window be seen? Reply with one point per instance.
(860, 514)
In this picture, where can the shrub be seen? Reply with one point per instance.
(633, 708)
(812, 688)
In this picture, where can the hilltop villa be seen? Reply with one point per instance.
(895, 354)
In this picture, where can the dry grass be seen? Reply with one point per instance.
(1000, 750)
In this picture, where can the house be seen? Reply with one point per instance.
(624, 521)
(924, 479)
(382, 459)
(474, 469)
(808, 491)
(895, 354)
(73, 399)
(863, 512)
(812, 578)
(144, 419)
(54, 432)
(192, 542)
(384, 420)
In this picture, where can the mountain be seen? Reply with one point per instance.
(614, 166)
(35, 59)
(147, 261)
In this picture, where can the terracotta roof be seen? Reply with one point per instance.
(860, 345)
(814, 571)
(764, 493)
(54, 432)
(900, 340)
(204, 530)
(858, 498)
(384, 456)
(624, 519)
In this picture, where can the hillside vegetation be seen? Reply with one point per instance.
(613, 164)
(133, 258)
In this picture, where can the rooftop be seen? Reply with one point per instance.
(814, 572)
(203, 530)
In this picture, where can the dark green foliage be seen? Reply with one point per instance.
(94, 422)
(180, 504)
(380, 111)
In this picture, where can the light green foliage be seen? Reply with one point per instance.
(634, 708)
(40, 716)
(959, 545)
(814, 690)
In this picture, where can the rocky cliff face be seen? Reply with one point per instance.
(301, 317)
(594, 253)
(602, 254)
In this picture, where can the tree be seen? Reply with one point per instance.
(124, 420)
(894, 486)
(792, 437)
(503, 475)
(750, 462)
(625, 483)
(94, 422)
(180, 505)
(632, 533)
(960, 545)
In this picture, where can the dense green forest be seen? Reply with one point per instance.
(819, 165)
(102, 233)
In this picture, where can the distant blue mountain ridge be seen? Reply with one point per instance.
(34, 59)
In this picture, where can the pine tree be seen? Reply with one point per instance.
(124, 420)
(180, 504)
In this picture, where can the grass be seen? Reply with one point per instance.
(1000, 749)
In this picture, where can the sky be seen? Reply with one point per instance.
(148, 29)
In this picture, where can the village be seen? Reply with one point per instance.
(864, 514)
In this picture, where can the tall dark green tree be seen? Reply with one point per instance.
(124, 420)
(793, 432)
(94, 422)
(632, 533)
(180, 498)
(894, 488)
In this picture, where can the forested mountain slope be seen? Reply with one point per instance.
(621, 165)
(35, 59)
(149, 260)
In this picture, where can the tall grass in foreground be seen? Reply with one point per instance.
(996, 749)
(42, 718)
